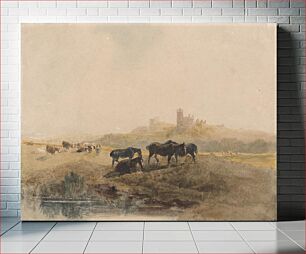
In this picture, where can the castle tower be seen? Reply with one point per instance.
(179, 118)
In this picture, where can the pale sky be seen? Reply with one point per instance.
(103, 78)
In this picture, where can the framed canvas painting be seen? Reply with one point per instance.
(148, 122)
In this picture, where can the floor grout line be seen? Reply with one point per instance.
(10, 228)
(193, 237)
(90, 237)
(290, 238)
(273, 225)
(246, 242)
(43, 238)
(143, 232)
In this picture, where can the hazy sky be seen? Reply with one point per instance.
(102, 78)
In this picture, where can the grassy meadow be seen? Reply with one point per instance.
(72, 186)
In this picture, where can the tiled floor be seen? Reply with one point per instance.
(152, 237)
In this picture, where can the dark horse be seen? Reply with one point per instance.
(124, 153)
(165, 150)
(191, 148)
(128, 166)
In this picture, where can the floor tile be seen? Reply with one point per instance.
(22, 236)
(223, 247)
(216, 236)
(60, 247)
(167, 236)
(276, 247)
(69, 236)
(169, 247)
(273, 223)
(253, 226)
(3, 230)
(17, 247)
(211, 226)
(301, 243)
(166, 226)
(63, 226)
(9, 224)
(5, 226)
(100, 236)
(295, 234)
(119, 226)
(33, 226)
(160, 237)
(263, 235)
(114, 247)
(291, 225)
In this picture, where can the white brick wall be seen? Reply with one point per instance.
(289, 13)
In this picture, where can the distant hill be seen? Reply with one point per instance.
(209, 138)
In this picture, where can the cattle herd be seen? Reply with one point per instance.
(129, 163)
(78, 147)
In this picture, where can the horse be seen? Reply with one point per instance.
(191, 148)
(128, 166)
(124, 153)
(168, 150)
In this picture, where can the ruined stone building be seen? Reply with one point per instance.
(183, 122)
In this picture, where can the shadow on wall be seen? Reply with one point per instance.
(290, 129)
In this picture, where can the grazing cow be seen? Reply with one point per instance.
(98, 149)
(90, 148)
(82, 149)
(52, 149)
(169, 150)
(128, 166)
(85, 147)
(66, 145)
(73, 145)
(124, 153)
